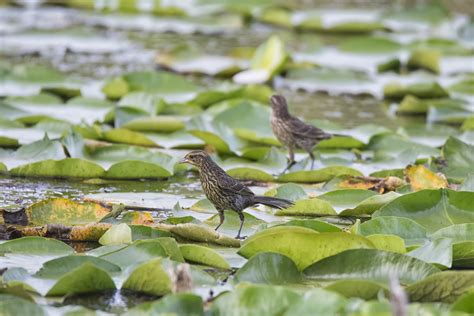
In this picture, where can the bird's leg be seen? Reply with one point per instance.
(242, 219)
(291, 160)
(221, 219)
(311, 156)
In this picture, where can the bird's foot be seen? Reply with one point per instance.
(240, 237)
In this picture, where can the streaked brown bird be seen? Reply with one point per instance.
(225, 192)
(292, 132)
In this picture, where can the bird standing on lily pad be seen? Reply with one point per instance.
(225, 192)
(292, 132)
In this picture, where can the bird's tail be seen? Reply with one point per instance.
(339, 135)
(273, 202)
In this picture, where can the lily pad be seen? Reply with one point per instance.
(445, 287)
(248, 300)
(438, 251)
(370, 264)
(410, 231)
(433, 209)
(64, 211)
(179, 304)
(363, 289)
(203, 255)
(35, 245)
(269, 268)
(116, 235)
(149, 278)
(87, 278)
(321, 175)
(57, 267)
(391, 243)
(299, 244)
(139, 251)
(459, 158)
(268, 60)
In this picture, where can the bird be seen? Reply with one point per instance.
(225, 192)
(292, 132)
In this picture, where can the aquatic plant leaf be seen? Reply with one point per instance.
(116, 235)
(459, 158)
(433, 209)
(446, 286)
(410, 231)
(384, 242)
(203, 255)
(179, 304)
(269, 268)
(139, 251)
(149, 278)
(370, 264)
(321, 175)
(248, 300)
(56, 268)
(364, 289)
(36, 246)
(421, 178)
(268, 60)
(87, 278)
(300, 244)
(64, 211)
(438, 251)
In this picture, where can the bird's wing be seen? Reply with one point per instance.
(301, 129)
(230, 185)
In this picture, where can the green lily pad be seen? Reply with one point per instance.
(116, 235)
(248, 300)
(160, 124)
(55, 268)
(370, 264)
(391, 243)
(410, 231)
(87, 278)
(396, 90)
(445, 287)
(317, 301)
(308, 207)
(314, 224)
(369, 45)
(268, 60)
(35, 245)
(149, 278)
(465, 303)
(125, 136)
(12, 305)
(203, 255)
(139, 251)
(433, 209)
(459, 158)
(425, 59)
(176, 304)
(299, 244)
(269, 268)
(289, 191)
(438, 251)
(321, 175)
(363, 289)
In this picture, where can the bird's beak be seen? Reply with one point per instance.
(184, 160)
